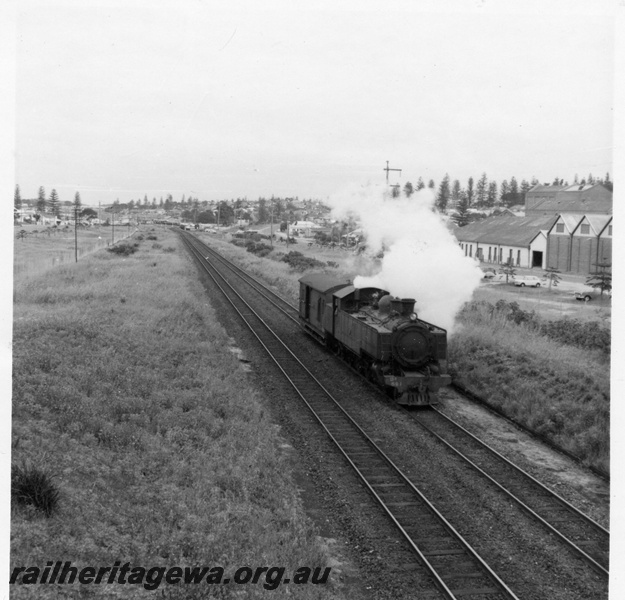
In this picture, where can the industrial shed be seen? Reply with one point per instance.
(497, 240)
(586, 199)
(577, 242)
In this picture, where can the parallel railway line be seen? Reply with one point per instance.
(579, 532)
(400, 499)
(456, 568)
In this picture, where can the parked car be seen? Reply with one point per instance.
(527, 280)
(588, 295)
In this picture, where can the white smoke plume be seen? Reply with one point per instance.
(422, 259)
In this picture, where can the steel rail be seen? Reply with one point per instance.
(501, 587)
(260, 287)
(596, 527)
(508, 462)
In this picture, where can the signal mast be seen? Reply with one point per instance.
(396, 185)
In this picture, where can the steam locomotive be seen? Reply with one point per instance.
(379, 335)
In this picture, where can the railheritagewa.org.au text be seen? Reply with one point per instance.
(64, 573)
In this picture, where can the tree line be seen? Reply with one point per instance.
(50, 204)
(485, 193)
(475, 194)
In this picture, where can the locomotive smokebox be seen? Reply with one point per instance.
(396, 305)
(407, 306)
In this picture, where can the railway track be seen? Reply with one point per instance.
(455, 567)
(586, 538)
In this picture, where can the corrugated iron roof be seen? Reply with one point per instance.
(598, 222)
(546, 188)
(579, 187)
(511, 231)
(573, 204)
(571, 220)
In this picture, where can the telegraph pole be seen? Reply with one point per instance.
(387, 169)
(76, 233)
(271, 238)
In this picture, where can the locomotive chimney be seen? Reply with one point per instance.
(407, 306)
(396, 305)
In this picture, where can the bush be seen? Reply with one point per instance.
(33, 486)
(254, 247)
(152, 237)
(124, 249)
(299, 262)
(322, 237)
(258, 248)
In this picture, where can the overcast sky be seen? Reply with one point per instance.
(116, 99)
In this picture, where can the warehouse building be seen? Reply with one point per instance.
(497, 240)
(555, 199)
(577, 242)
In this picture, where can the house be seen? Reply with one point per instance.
(306, 228)
(577, 242)
(593, 198)
(499, 239)
(24, 215)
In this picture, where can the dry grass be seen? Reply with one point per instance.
(161, 451)
(559, 391)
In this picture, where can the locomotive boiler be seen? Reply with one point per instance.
(380, 336)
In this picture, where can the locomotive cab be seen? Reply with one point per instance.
(316, 304)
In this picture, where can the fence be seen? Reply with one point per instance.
(35, 255)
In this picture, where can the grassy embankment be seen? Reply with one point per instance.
(126, 402)
(558, 389)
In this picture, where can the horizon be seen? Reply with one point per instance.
(256, 198)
